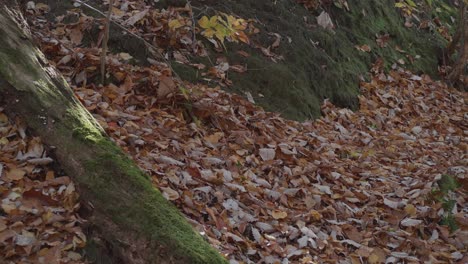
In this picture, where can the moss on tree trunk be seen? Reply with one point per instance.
(133, 219)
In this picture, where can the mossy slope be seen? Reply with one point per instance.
(318, 63)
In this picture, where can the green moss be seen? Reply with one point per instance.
(143, 209)
(186, 72)
(94, 252)
(448, 183)
(106, 176)
(318, 63)
(112, 176)
(449, 220)
(445, 194)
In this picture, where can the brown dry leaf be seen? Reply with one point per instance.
(277, 41)
(3, 225)
(170, 194)
(278, 214)
(410, 209)
(267, 153)
(377, 256)
(238, 68)
(330, 177)
(15, 174)
(363, 48)
(25, 239)
(324, 20)
(365, 252)
(52, 255)
(6, 234)
(166, 87)
(410, 222)
(382, 40)
(136, 17)
(76, 36)
(243, 53)
(214, 138)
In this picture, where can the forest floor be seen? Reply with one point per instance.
(384, 184)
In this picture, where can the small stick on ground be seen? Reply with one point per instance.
(194, 32)
(104, 41)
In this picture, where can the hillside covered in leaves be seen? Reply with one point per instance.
(386, 183)
(287, 55)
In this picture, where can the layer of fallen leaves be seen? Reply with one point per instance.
(175, 33)
(38, 205)
(350, 187)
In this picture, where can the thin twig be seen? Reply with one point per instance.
(151, 47)
(104, 42)
(194, 36)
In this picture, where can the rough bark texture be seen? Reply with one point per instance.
(134, 221)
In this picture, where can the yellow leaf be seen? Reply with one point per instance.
(315, 215)
(411, 3)
(399, 5)
(4, 141)
(175, 24)
(410, 209)
(207, 23)
(209, 33)
(230, 20)
(214, 20)
(204, 22)
(220, 35)
(240, 24)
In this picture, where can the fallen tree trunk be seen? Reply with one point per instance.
(133, 219)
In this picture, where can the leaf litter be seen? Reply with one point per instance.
(39, 221)
(350, 187)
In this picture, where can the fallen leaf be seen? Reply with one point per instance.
(166, 87)
(169, 193)
(15, 174)
(410, 222)
(267, 153)
(278, 214)
(136, 17)
(324, 20)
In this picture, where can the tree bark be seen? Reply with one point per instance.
(130, 216)
(457, 75)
